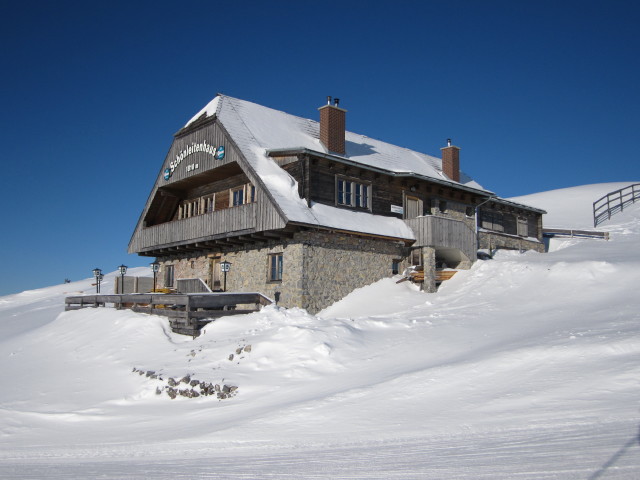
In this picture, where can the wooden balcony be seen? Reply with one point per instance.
(444, 233)
(200, 227)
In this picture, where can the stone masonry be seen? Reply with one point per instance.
(319, 267)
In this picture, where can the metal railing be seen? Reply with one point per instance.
(604, 208)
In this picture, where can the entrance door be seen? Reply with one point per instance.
(412, 207)
(214, 275)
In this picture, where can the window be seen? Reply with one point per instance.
(168, 276)
(362, 195)
(237, 197)
(492, 221)
(344, 192)
(416, 257)
(215, 201)
(470, 211)
(395, 267)
(442, 206)
(523, 227)
(242, 195)
(352, 194)
(275, 267)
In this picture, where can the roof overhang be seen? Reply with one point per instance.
(518, 205)
(489, 195)
(279, 152)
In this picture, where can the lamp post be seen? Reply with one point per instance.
(123, 270)
(155, 267)
(225, 267)
(97, 273)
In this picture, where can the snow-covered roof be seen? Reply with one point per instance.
(257, 130)
(273, 129)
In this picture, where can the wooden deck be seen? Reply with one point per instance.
(187, 313)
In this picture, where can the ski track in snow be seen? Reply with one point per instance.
(528, 454)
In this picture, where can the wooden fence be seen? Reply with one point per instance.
(191, 285)
(614, 202)
(562, 232)
(187, 313)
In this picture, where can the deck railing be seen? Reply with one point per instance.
(187, 313)
(604, 208)
(564, 232)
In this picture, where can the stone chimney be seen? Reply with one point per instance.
(451, 161)
(333, 126)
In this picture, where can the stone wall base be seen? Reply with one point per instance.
(493, 241)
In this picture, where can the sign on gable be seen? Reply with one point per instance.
(217, 153)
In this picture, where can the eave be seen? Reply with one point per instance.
(277, 152)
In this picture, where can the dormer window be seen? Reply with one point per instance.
(350, 193)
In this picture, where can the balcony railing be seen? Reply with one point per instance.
(442, 232)
(229, 220)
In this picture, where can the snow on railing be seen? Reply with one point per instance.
(614, 202)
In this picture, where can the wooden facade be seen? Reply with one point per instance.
(317, 180)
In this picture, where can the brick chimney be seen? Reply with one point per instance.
(333, 126)
(451, 161)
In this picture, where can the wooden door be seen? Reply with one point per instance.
(412, 207)
(214, 274)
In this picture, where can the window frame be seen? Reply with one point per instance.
(248, 191)
(492, 220)
(233, 196)
(169, 276)
(353, 193)
(275, 267)
(395, 266)
(522, 226)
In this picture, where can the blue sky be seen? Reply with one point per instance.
(539, 95)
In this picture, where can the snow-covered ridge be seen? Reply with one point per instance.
(526, 366)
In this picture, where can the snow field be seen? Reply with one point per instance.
(524, 367)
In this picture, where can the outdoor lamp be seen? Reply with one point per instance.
(123, 270)
(97, 273)
(225, 267)
(155, 268)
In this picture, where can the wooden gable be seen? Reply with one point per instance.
(200, 174)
